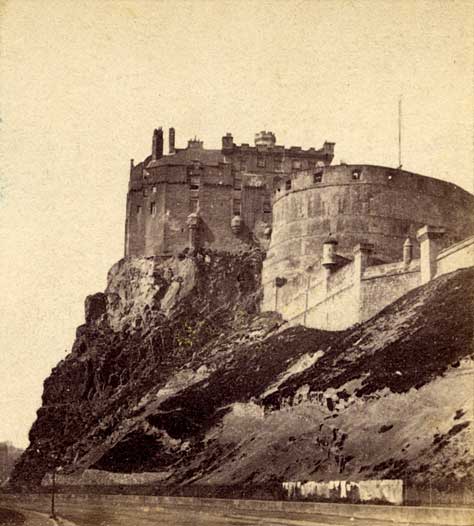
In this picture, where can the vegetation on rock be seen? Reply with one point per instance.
(177, 372)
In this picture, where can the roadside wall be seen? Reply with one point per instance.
(454, 516)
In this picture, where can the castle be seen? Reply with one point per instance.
(221, 198)
(339, 238)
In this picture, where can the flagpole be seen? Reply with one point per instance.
(400, 132)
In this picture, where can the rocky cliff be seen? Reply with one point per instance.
(176, 372)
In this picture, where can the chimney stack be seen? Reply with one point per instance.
(157, 146)
(171, 141)
(227, 142)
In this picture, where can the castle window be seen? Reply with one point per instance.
(153, 209)
(277, 164)
(194, 204)
(288, 185)
(236, 207)
(154, 190)
(194, 182)
(139, 210)
(317, 177)
(261, 161)
(296, 164)
(356, 174)
(145, 192)
(237, 182)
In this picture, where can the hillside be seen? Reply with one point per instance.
(176, 372)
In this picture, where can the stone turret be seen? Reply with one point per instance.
(265, 138)
(329, 253)
(227, 143)
(193, 222)
(407, 251)
(236, 224)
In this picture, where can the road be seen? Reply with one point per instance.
(89, 514)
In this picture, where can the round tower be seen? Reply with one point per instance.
(265, 138)
(375, 204)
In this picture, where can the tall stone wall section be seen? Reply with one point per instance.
(381, 285)
(158, 209)
(357, 291)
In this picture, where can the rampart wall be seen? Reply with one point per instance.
(355, 292)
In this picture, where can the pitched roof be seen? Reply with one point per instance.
(188, 155)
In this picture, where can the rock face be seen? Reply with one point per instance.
(176, 372)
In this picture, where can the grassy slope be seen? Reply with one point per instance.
(390, 398)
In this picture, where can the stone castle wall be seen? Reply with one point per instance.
(236, 180)
(337, 299)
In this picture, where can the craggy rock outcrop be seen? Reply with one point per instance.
(176, 372)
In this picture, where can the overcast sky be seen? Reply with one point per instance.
(84, 84)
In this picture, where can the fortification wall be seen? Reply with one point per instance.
(381, 285)
(358, 203)
(338, 306)
(335, 299)
(158, 208)
(456, 256)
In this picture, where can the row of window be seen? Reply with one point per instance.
(296, 164)
(152, 209)
(146, 190)
(318, 178)
(194, 202)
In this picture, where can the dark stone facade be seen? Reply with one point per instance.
(210, 198)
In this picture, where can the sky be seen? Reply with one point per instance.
(83, 85)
